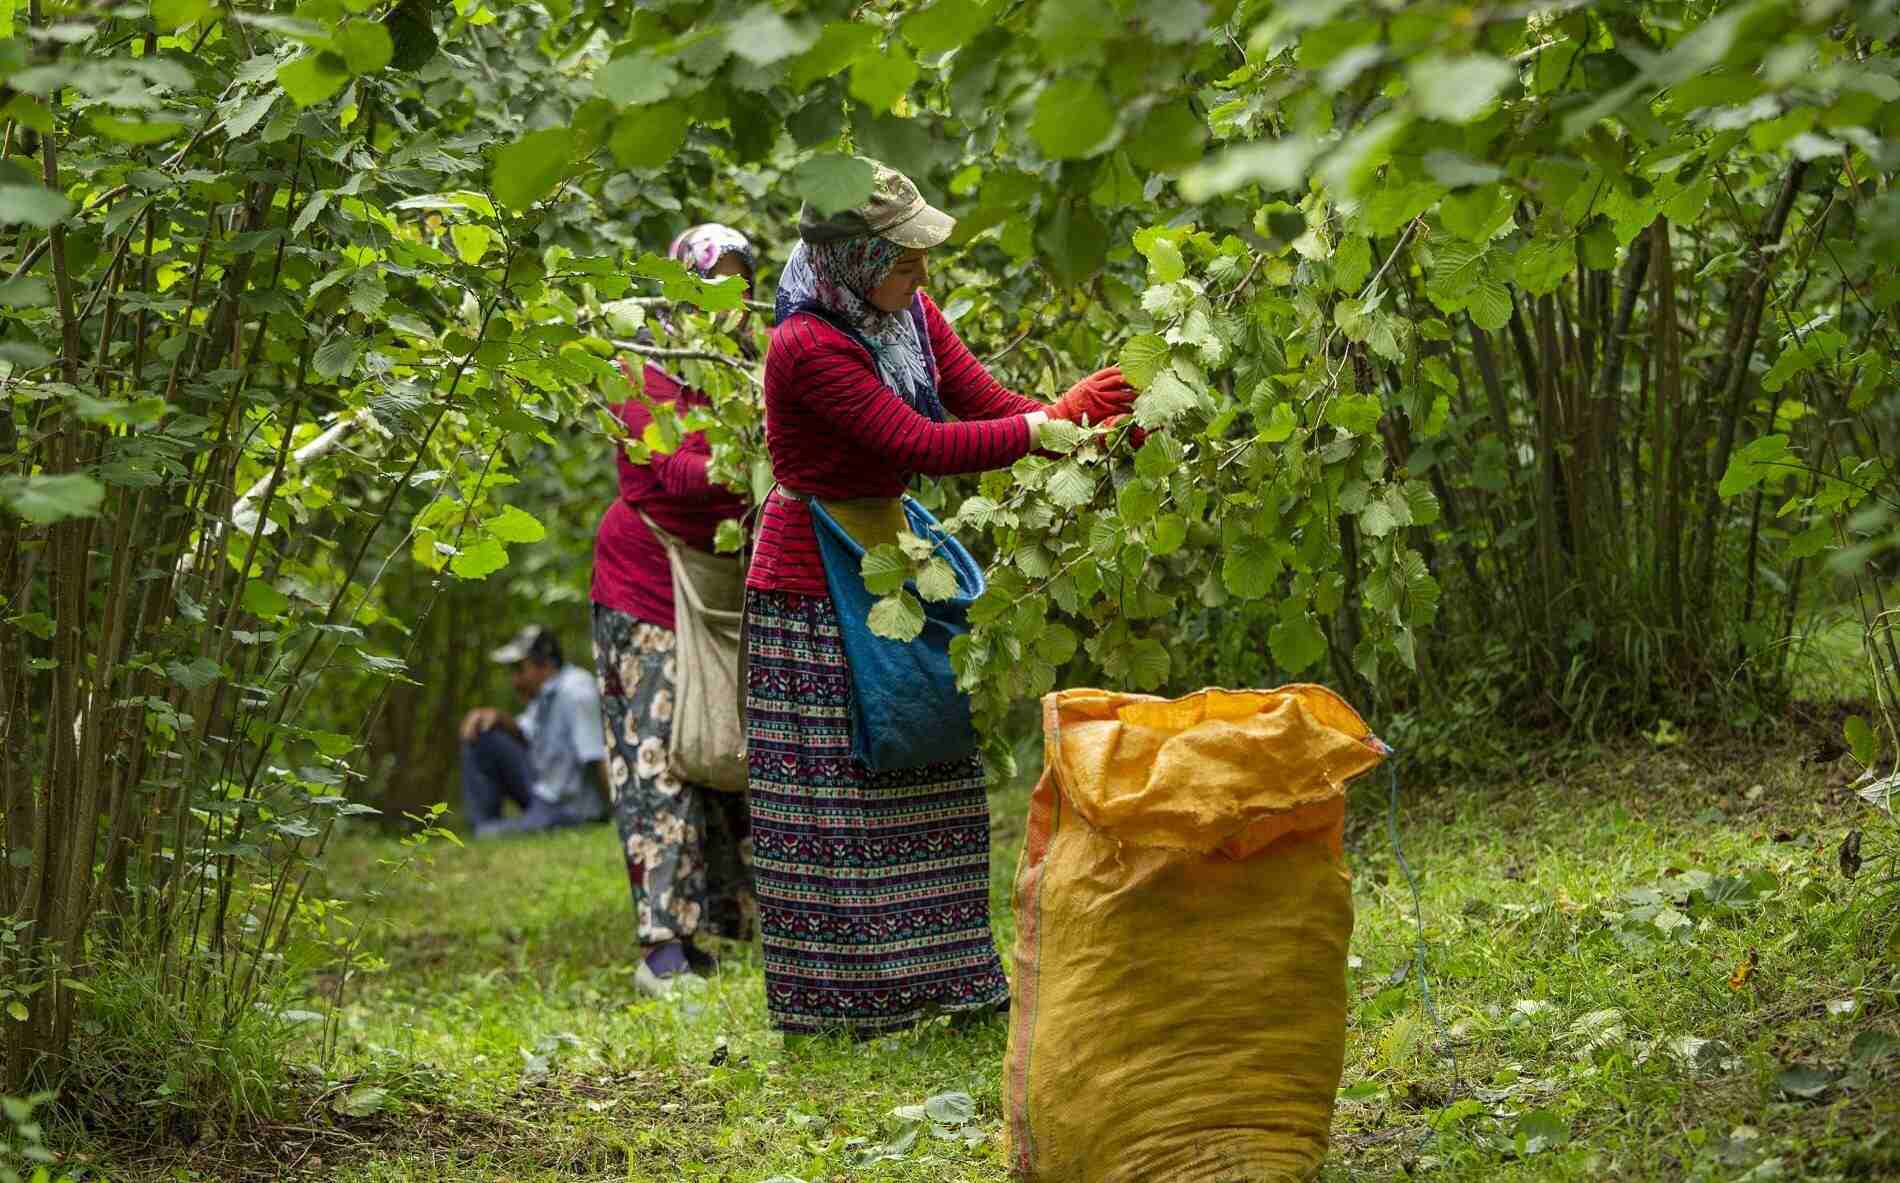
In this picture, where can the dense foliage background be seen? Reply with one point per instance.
(1506, 363)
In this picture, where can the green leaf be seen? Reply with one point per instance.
(1803, 1082)
(365, 45)
(729, 538)
(1490, 305)
(1457, 89)
(839, 44)
(1280, 424)
(480, 560)
(1149, 664)
(134, 131)
(1170, 531)
(313, 78)
(1059, 436)
(1352, 263)
(1423, 502)
(1170, 139)
(647, 137)
(1070, 485)
(1142, 358)
(1752, 464)
(18, 1011)
(879, 80)
(32, 205)
(1861, 740)
(1137, 502)
(263, 600)
(529, 169)
(43, 499)
(1276, 165)
(898, 618)
(514, 524)
(635, 79)
(1537, 1131)
(1165, 401)
(1248, 570)
(1475, 214)
(471, 242)
(1073, 119)
(1542, 264)
(1057, 644)
(1377, 519)
(831, 182)
(196, 674)
(761, 36)
(1354, 414)
(884, 568)
(1296, 643)
(937, 581)
(1165, 264)
(946, 25)
(337, 357)
(176, 14)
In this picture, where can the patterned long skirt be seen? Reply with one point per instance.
(873, 889)
(689, 856)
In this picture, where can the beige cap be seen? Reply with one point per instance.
(895, 211)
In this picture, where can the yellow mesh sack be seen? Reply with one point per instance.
(1182, 916)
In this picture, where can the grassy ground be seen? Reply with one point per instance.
(1587, 919)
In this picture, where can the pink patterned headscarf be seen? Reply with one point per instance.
(701, 247)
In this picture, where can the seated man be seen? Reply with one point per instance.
(550, 760)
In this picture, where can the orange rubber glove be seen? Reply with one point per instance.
(1097, 398)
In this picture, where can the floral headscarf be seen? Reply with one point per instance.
(834, 277)
(701, 247)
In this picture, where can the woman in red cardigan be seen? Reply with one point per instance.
(687, 850)
(873, 888)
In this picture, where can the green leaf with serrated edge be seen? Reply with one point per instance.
(729, 537)
(1059, 436)
(529, 169)
(1142, 358)
(884, 569)
(1073, 118)
(879, 80)
(1423, 503)
(1542, 265)
(1490, 305)
(1296, 643)
(482, 559)
(1057, 644)
(832, 182)
(1138, 501)
(514, 524)
(897, 618)
(1070, 486)
(1149, 664)
(1354, 414)
(1165, 401)
(937, 581)
(1165, 264)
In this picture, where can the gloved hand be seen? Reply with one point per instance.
(1098, 397)
(1136, 435)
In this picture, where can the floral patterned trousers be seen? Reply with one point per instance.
(688, 847)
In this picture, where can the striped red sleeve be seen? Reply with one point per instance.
(968, 390)
(835, 381)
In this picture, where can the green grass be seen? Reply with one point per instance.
(503, 1025)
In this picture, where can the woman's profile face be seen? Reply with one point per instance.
(900, 286)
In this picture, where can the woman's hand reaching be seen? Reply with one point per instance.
(1096, 399)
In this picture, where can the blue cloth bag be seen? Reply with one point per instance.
(906, 710)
